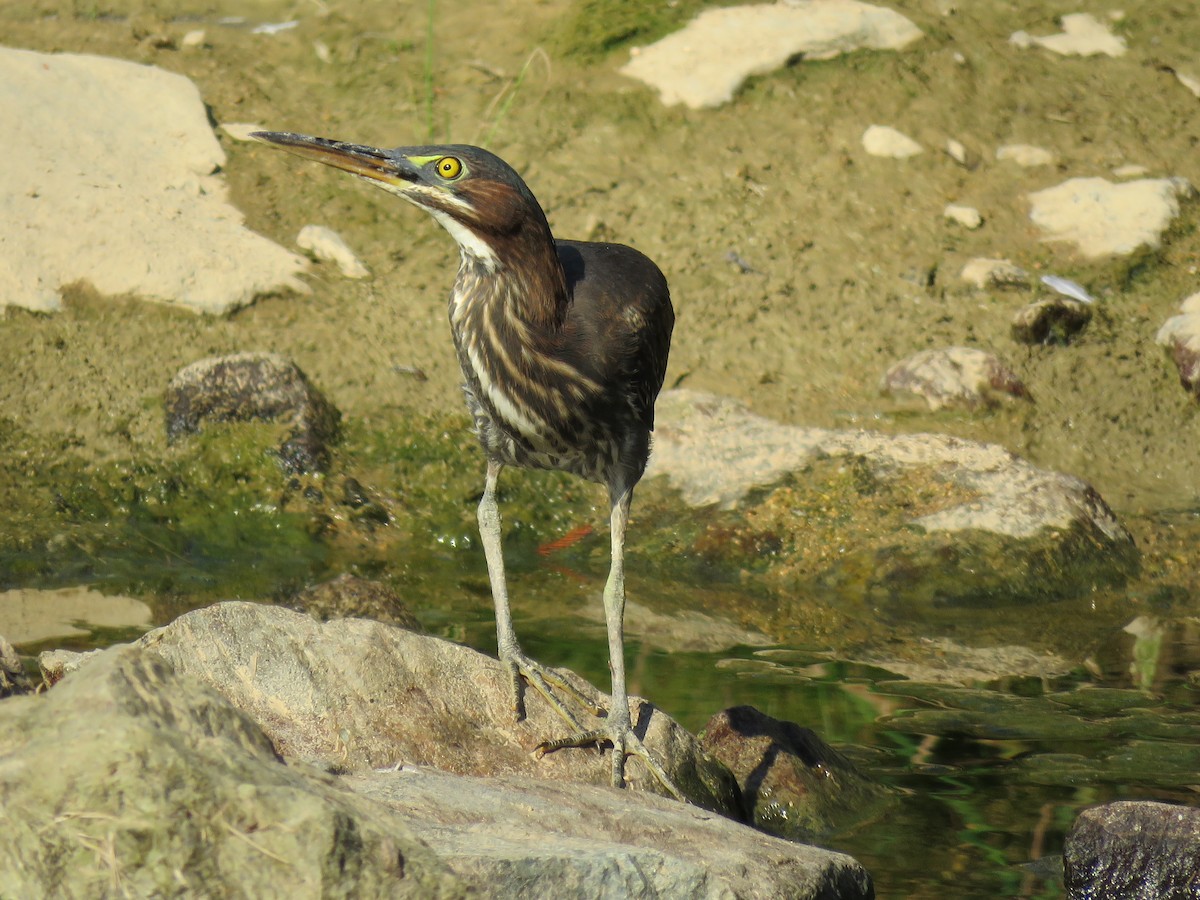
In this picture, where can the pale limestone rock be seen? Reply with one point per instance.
(326, 244)
(241, 131)
(1082, 35)
(111, 176)
(706, 62)
(883, 140)
(966, 216)
(985, 273)
(1102, 219)
(1025, 155)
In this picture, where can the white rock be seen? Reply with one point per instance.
(882, 140)
(1191, 304)
(704, 64)
(967, 216)
(1026, 155)
(1102, 218)
(325, 243)
(1082, 35)
(954, 377)
(1191, 82)
(984, 273)
(194, 38)
(1132, 170)
(956, 151)
(241, 131)
(110, 177)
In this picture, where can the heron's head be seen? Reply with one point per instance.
(473, 194)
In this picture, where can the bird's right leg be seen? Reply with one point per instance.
(515, 661)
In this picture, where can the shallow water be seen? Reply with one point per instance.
(990, 777)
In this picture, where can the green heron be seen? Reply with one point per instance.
(563, 347)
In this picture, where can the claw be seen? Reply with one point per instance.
(540, 678)
(624, 743)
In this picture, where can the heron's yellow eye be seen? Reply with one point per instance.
(449, 167)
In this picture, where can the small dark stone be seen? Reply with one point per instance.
(248, 386)
(364, 507)
(1133, 849)
(793, 784)
(1055, 320)
(351, 597)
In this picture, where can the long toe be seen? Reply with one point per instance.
(624, 744)
(542, 679)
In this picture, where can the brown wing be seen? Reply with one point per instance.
(619, 323)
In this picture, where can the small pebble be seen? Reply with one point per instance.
(956, 151)
(240, 131)
(193, 38)
(1025, 155)
(1132, 170)
(967, 216)
(881, 140)
(955, 377)
(999, 273)
(326, 244)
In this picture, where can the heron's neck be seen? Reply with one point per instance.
(519, 270)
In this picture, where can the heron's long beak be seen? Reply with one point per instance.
(367, 162)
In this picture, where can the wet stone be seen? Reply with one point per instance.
(793, 784)
(247, 386)
(956, 377)
(1133, 849)
(1055, 320)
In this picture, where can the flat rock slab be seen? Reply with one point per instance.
(1105, 219)
(706, 62)
(568, 840)
(715, 451)
(110, 176)
(184, 793)
(923, 519)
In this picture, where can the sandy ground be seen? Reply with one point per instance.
(853, 265)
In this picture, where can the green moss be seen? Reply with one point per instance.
(595, 28)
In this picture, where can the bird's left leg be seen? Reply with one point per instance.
(618, 729)
(513, 659)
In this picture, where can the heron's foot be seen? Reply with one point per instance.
(541, 679)
(624, 743)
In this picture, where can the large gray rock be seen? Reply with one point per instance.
(1133, 849)
(360, 694)
(127, 780)
(111, 176)
(516, 837)
(160, 787)
(989, 527)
